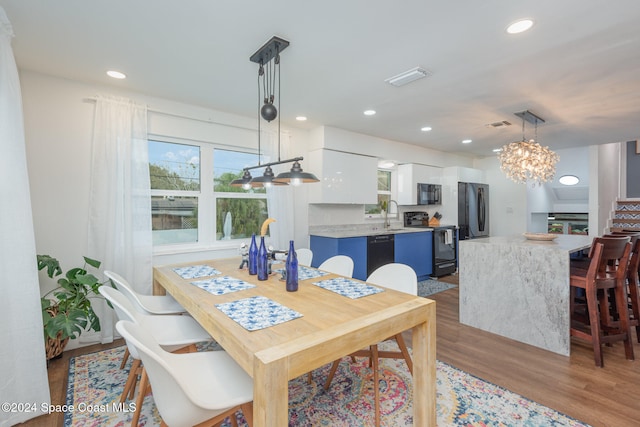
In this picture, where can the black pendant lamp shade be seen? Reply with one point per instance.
(266, 179)
(244, 182)
(296, 175)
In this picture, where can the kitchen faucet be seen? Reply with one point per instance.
(387, 223)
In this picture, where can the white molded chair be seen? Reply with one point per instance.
(338, 264)
(399, 277)
(174, 332)
(305, 256)
(195, 388)
(146, 304)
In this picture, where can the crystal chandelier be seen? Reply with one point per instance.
(524, 161)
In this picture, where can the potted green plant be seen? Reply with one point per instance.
(66, 310)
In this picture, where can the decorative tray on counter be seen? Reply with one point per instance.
(539, 236)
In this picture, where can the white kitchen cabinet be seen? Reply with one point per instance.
(410, 175)
(344, 177)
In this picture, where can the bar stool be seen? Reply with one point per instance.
(633, 282)
(608, 267)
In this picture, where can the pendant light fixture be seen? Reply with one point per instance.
(268, 59)
(524, 160)
(244, 182)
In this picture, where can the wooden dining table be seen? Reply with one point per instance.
(331, 326)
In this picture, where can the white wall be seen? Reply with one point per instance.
(606, 173)
(507, 200)
(58, 129)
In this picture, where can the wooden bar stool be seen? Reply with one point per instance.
(633, 288)
(633, 282)
(608, 267)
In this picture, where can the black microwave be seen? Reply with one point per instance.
(429, 194)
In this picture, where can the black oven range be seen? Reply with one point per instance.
(444, 249)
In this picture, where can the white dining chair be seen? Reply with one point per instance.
(338, 264)
(190, 389)
(146, 304)
(305, 256)
(174, 332)
(399, 277)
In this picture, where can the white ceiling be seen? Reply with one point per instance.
(578, 68)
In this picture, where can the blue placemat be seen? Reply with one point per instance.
(348, 288)
(257, 312)
(195, 271)
(305, 273)
(223, 285)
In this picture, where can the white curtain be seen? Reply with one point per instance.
(22, 357)
(280, 197)
(120, 202)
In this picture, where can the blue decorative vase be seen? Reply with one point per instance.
(263, 262)
(253, 255)
(291, 267)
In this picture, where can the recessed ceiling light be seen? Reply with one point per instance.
(116, 74)
(301, 118)
(386, 164)
(369, 112)
(569, 180)
(520, 26)
(466, 141)
(426, 129)
(497, 150)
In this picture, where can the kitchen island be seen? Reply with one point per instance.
(519, 288)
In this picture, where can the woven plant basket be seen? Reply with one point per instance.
(54, 346)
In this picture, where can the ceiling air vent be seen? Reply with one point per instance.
(498, 124)
(408, 77)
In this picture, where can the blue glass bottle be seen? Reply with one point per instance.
(253, 255)
(291, 268)
(263, 262)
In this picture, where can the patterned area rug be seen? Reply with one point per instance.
(432, 286)
(95, 384)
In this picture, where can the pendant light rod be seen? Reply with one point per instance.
(279, 162)
(530, 117)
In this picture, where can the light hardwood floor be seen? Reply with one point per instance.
(608, 396)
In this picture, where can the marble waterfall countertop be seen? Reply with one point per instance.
(519, 288)
(563, 242)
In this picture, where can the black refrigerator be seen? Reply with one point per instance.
(473, 210)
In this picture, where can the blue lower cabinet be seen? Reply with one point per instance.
(353, 247)
(415, 250)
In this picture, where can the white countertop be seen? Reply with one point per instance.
(564, 242)
(339, 234)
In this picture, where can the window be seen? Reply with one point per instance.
(174, 172)
(238, 212)
(384, 194)
(192, 202)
